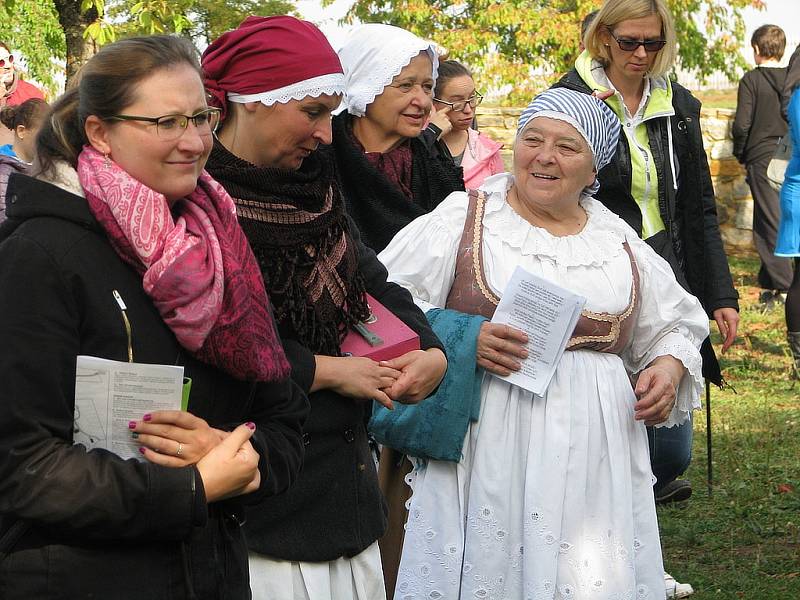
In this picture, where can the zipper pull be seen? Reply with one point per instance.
(119, 300)
(125, 321)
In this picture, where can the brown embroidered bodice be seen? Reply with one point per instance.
(470, 293)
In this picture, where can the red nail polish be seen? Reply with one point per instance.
(141, 450)
(131, 424)
(147, 417)
(251, 425)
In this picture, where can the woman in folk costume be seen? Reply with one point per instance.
(277, 80)
(552, 496)
(390, 173)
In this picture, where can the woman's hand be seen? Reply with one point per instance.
(231, 468)
(728, 322)
(420, 373)
(174, 438)
(441, 119)
(355, 377)
(500, 348)
(656, 389)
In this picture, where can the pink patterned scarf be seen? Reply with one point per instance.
(198, 267)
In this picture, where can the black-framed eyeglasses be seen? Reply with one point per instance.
(629, 45)
(459, 106)
(8, 61)
(171, 127)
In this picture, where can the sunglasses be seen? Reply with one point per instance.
(7, 61)
(629, 45)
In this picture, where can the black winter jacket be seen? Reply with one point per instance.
(692, 243)
(758, 125)
(89, 524)
(378, 208)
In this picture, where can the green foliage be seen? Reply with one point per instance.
(504, 40)
(210, 20)
(203, 20)
(32, 29)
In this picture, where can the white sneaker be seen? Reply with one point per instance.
(675, 589)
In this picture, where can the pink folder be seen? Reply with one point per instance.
(383, 336)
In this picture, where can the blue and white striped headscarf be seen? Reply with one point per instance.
(595, 121)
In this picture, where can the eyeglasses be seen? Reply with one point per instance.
(7, 61)
(406, 86)
(171, 127)
(459, 106)
(629, 45)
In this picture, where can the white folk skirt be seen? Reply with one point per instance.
(357, 578)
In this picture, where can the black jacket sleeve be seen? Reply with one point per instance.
(745, 105)
(719, 291)
(280, 409)
(43, 476)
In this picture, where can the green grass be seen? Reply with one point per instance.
(725, 98)
(743, 541)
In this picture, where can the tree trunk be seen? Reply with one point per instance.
(79, 50)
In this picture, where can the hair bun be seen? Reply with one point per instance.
(8, 114)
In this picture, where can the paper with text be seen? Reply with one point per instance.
(110, 393)
(548, 314)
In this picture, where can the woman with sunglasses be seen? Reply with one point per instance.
(455, 96)
(123, 248)
(13, 89)
(659, 182)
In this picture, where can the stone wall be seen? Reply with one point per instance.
(734, 203)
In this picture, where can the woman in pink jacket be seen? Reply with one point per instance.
(456, 98)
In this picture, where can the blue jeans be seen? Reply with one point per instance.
(670, 452)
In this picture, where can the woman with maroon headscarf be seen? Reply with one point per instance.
(277, 80)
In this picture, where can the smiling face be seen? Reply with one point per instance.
(170, 167)
(284, 134)
(458, 89)
(401, 109)
(633, 65)
(552, 163)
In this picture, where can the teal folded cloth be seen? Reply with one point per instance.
(436, 427)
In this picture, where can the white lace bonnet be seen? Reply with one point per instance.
(372, 56)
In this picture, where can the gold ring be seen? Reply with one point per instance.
(180, 449)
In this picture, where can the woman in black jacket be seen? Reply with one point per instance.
(659, 181)
(277, 80)
(122, 248)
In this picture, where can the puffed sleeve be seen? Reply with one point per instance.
(44, 477)
(670, 322)
(422, 256)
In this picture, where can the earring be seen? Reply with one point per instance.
(106, 161)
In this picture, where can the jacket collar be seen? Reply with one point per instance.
(658, 91)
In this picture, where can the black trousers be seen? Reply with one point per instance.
(775, 273)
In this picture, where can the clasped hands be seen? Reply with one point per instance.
(408, 379)
(226, 460)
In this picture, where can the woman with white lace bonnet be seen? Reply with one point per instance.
(552, 495)
(391, 173)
